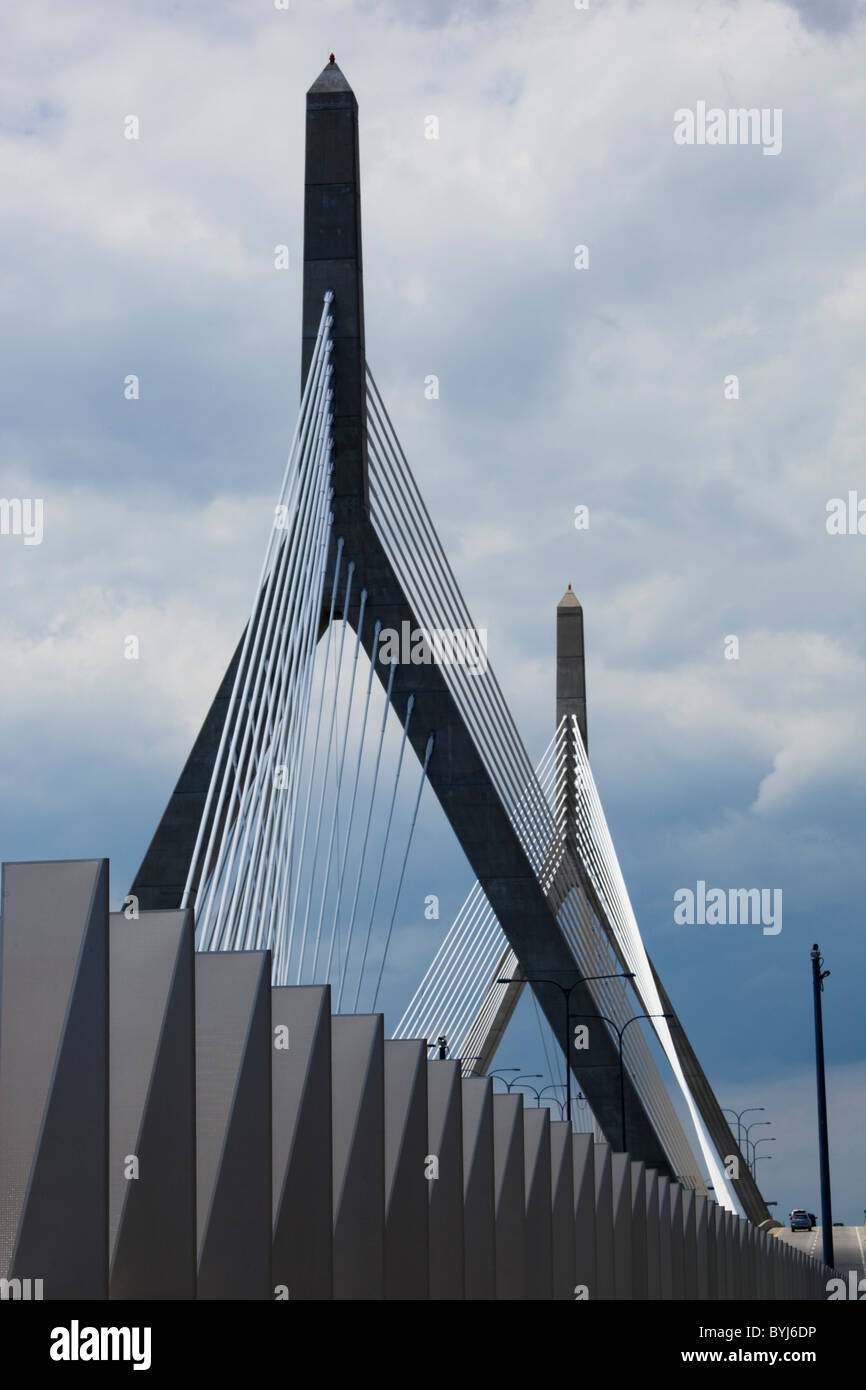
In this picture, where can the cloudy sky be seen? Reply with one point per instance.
(602, 387)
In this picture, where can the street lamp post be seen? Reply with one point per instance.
(750, 1143)
(757, 1161)
(554, 1086)
(565, 990)
(619, 1033)
(748, 1140)
(818, 978)
(765, 1139)
(739, 1117)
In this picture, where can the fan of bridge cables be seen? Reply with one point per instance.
(309, 820)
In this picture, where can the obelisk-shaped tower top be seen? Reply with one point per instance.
(570, 661)
(570, 701)
(330, 79)
(332, 261)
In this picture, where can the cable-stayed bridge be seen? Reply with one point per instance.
(282, 1139)
(253, 840)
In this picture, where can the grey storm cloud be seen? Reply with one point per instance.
(833, 16)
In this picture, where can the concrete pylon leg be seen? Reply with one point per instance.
(151, 1186)
(510, 1197)
(406, 1196)
(622, 1225)
(479, 1185)
(54, 1077)
(358, 1128)
(445, 1190)
(302, 1159)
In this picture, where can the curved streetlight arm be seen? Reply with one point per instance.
(738, 1116)
(755, 1124)
(527, 1076)
(553, 1086)
(525, 1086)
(639, 1016)
(565, 991)
(619, 1032)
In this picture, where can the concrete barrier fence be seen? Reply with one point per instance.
(171, 1127)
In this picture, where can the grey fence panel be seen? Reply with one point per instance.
(639, 1277)
(510, 1192)
(152, 1160)
(479, 1187)
(653, 1236)
(54, 1077)
(563, 1211)
(406, 1196)
(233, 1124)
(302, 1267)
(622, 1225)
(604, 1253)
(539, 1205)
(445, 1189)
(358, 1097)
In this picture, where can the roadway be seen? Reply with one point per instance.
(849, 1246)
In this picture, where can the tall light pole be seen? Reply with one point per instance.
(755, 1124)
(739, 1117)
(556, 1086)
(818, 978)
(565, 990)
(619, 1033)
(765, 1139)
(749, 1141)
(757, 1160)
